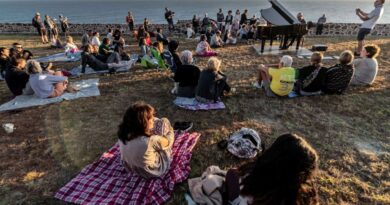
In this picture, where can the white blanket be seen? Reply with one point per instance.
(59, 57)
(88, 70)
(88, 88)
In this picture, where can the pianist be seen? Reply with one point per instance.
(369, 21)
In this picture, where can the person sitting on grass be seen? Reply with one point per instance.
(109, 35)
(5, 61)
(17, 51)
(186, 77)
(283, 174)
(143, 47)
(277, 81)
(148, 40)
(113, 61)
(338, 77)
(156, 52)
(230, 37)
(145, 141)
(251, 34)
(118, 40)
(203, 49)
(16, 76)
(311, 77)
(70, 47)
(366, 68)
(47, 85)
(212, 83)
(95, 42)
(104, 49)
(171, 56)
(190, 31)
(161, 38)
(243, 32)
(216, 40)
(86, 38)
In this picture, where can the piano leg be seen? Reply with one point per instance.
(285, 42)
(262, 45)
(299, 39)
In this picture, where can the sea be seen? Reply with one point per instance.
(107, 11)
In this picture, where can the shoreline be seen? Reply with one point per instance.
(330, 29)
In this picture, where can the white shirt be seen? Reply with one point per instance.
(190, 32)
(95, 41)
(374, 17)
(109, 36)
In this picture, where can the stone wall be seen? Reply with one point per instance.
(330, 29)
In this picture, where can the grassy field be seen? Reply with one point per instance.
(351, 132)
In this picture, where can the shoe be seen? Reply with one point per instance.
(223, 144)
(183, 126)
(257, 85)
(111, 71)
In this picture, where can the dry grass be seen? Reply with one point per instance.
(351, 132)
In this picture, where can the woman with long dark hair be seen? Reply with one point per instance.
(145, 141)
(282, 175)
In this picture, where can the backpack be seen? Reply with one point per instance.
(245, 143)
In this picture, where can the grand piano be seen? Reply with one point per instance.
(283, 26)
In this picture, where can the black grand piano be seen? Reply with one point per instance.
(284, 26)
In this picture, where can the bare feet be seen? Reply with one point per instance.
(72, 89)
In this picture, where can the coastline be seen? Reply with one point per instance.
(330, 29)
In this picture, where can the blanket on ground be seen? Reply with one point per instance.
(88, 70)
(107, 182)
(59, 57)
(193, 104)
(88, 88)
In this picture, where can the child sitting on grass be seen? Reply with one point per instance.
(203, 49)
(366, 68)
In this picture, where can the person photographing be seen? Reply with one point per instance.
(369, 22)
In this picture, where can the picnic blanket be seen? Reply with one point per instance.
(107, 182)
(59, 57)
(88, 88)
(88, 70)
(193, 104)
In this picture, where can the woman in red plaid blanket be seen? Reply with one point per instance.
(145, 141)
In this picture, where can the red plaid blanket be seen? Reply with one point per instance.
(107, 182)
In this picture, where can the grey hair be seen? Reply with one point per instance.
(287, 61)
(186, 57)
(33, 67)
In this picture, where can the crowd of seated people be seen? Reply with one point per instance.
(315, 79)
(90, 57)
(26, 76)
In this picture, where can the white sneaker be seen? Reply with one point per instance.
(257, 85)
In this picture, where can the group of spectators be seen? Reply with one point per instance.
(26, 76)
(48, 28)
(315, 79)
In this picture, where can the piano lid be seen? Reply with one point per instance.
(278, 15)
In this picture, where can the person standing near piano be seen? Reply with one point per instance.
(320, 24)
(369, 22)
